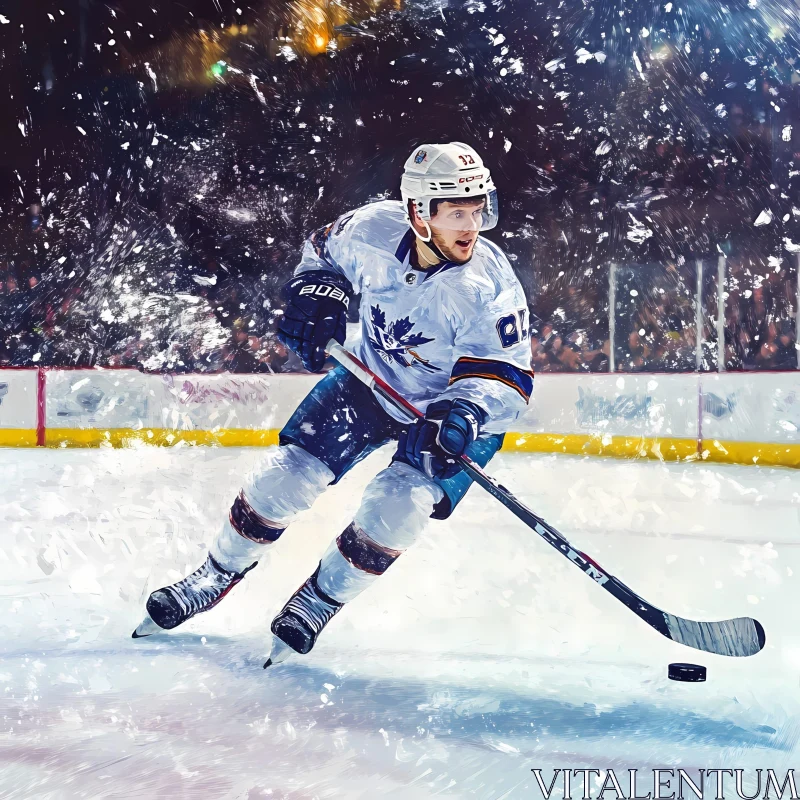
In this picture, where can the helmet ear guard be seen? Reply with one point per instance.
(410, 221)
(428, 230)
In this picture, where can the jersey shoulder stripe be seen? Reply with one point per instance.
(319, 241)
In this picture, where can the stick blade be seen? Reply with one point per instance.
(738, 637)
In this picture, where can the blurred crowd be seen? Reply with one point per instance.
(762, 318)
(656, 322)
(228, 325)
(51, 320)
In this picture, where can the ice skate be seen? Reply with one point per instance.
(173, 605)
(296, 628)
(279, 652)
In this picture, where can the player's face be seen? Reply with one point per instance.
(455, 228)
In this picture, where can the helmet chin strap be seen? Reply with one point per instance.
(427, 251)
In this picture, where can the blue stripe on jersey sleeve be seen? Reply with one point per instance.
(509, 374)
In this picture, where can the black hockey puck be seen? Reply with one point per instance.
(691, 673)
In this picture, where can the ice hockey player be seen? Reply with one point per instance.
(444, 322)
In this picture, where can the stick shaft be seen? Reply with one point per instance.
(361, 371)
(742, 636)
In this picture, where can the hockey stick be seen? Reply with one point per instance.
(742, 636)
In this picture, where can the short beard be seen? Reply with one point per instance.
(447, 253)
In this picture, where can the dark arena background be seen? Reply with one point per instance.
(162, 163)
(156, 153)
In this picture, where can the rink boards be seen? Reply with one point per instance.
(737, 417)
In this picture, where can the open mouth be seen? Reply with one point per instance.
(465, 243)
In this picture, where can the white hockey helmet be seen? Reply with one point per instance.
(452, 171)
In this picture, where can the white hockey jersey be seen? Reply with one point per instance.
(454, 330)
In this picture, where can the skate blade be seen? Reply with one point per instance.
(279, 653)
(146, 628)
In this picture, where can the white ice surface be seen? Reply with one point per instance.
(481, 654)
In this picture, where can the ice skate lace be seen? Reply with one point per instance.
(203, 587)
(311, 608)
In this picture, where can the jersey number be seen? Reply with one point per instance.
(467, 160)
(511, 328)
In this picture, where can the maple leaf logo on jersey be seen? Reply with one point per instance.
(394, 342)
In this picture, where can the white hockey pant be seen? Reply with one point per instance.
(395, 508)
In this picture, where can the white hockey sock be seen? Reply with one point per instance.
(394, 510)
(287, 481)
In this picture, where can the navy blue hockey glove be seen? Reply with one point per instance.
(316, 312)
(432, 444)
